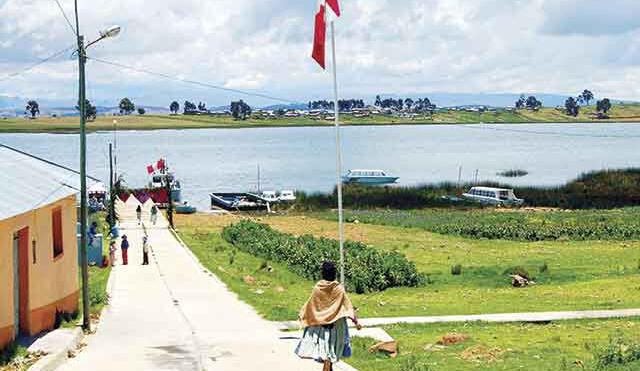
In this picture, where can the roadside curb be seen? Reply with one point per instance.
(57, 345)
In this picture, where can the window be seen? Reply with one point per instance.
(56, 225)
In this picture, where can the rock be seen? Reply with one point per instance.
(433, 347)
(249, 280)
(390, 347)
(280, 289)
(453, 339)
(519, 281)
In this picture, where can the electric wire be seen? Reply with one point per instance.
(36, 64)
(73, 29)
(192, 82)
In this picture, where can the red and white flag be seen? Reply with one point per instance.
(150, 169)
(160, 164)
(320, 30)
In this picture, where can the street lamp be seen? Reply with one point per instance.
(82, 60)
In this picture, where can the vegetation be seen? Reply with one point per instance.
(622, 224)
(90, 111)
(596, 190)
(240, 110)
(514, 173)
(531, 103)
(126, 106)
(33, 108)
(593, 345)
(15, 357)
(174, 107)
(571, 106)
(141, 111)
(366, 269)
(580, 275)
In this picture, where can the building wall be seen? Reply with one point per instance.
(53, 283)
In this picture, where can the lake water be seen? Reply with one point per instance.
(208, 160)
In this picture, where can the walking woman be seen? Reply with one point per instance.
(139, 214)
(145, 250)
(124, 246)
(154, 214)
(324, 317)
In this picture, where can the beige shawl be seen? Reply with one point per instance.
(327, 304)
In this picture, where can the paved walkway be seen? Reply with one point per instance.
(174, 315)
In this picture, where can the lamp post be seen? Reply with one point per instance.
(82, 60)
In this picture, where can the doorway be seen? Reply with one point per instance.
(21, 281)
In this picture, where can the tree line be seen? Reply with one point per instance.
(572, 105)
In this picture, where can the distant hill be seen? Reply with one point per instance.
(295, 106)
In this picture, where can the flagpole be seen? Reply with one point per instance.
(338, 152)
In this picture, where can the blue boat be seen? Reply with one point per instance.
(368, 177)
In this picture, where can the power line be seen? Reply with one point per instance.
(193, 82)
(31, 67)
(73, 29)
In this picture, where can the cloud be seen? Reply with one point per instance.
(384, 46)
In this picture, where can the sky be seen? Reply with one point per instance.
(403, 47)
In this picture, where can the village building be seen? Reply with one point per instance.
(38, 244)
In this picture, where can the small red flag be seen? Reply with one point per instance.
(335, 6)
(160, 164)
(319, 38)
(150, 169)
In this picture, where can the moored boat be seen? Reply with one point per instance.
(493, 196)
(368, 177)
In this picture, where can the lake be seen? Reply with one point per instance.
(208, 160)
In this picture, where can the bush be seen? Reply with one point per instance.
(366, 269)
(456, 270)
(619, 351)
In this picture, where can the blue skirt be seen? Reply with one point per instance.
(325, 343)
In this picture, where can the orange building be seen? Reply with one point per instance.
(38, 245)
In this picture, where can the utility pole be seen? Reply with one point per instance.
(82, 60)
(112, 192)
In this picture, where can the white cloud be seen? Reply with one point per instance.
(384, 46)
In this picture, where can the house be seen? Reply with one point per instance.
(38, 245)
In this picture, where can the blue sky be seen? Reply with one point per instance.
(384, 46)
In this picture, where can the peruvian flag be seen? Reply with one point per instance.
(150, 169)
(160, 164)
(320, 31)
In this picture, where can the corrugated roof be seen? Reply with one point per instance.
(27, 182)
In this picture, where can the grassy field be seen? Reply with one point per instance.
(526, 224)
(574, 345)
(570, 275)
(627, 113)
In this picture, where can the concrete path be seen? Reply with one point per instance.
(502, 317)
(175, 315)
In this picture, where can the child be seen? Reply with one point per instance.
(326, 334)
(112, 252)
(145, 251)
(154, 214)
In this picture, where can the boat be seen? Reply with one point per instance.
(493, 196)
(159, 181)
(185, 208)
(287, 196)
(368, 177)
(269, 196)
(237, 201)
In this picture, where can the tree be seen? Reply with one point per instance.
(571, 107)
(521, 102)
(378, 102)
(90, 111)
(141, 111)
(33, 108)
(603, 105)
(202, 107)
(586, 96)
(240, 110)
(409, 103)
(189, 108)
(126, 106)
(533, 103)
(174, 107)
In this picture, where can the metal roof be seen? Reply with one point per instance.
(28, 182)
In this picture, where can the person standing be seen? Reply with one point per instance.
(139, 214)
(112, 252)
(124, 246)
(154, 214)
(145, 251)
(324, 317)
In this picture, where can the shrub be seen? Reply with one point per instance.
(456, 270)
(366, 269)
(619, 351)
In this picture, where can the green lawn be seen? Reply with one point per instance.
(540, 347)
(570, 275)
(630, 113)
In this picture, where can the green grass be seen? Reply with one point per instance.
(579, 275)
(618, 224)
(15, 358)
(630, 113)
(555, 346)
